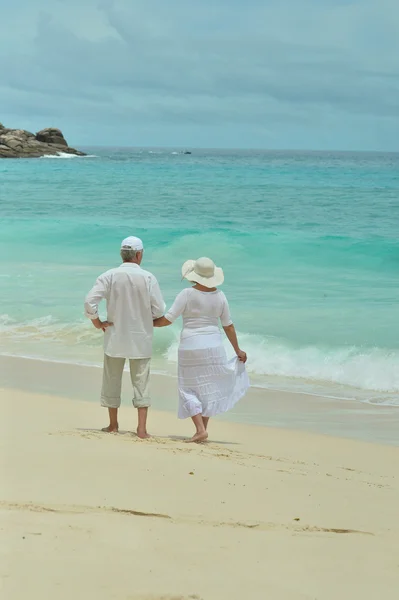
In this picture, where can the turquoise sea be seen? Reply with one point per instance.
(309, 243)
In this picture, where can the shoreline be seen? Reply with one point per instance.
(255, 381)
(368, 375)
(264, 407)
(270, 510)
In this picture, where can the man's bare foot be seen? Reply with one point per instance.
(143, 435)
(199, 437)
(110, 429)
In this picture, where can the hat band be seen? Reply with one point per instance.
(206, 276)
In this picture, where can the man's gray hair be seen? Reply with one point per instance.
(128, 254)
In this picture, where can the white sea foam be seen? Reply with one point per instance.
(67, 155)
(60, 155)
(368, 369)
(374, 372)
(46, 328)
(382, 401)
(373, 369)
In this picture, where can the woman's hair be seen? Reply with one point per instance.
(128, 254)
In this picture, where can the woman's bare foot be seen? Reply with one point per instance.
(110, 429)
(143, 435)
(199, 437)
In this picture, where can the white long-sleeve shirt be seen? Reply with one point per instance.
(133, 299)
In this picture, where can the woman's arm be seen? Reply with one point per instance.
(230, 331)
(161, 322)
(174, 312)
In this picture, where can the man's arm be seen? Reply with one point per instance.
(157, 302)
(161, 322)
(97, 293)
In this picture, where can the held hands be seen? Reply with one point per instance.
(242, 356)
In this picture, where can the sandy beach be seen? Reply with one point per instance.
(257, 512)
(199, 216)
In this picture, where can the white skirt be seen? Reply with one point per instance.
(209, 384)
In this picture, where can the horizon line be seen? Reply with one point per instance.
(245, 149)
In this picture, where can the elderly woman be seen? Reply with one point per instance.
(209, 384)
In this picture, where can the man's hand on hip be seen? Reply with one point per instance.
(98, 324)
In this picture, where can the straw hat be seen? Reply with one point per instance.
(203, 271)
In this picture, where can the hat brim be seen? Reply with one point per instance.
(188, 273)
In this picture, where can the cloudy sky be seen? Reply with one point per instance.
(314, 74)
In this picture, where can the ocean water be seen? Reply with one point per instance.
(309, 243)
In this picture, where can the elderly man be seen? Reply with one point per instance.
(134, 300)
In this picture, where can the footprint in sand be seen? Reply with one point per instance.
(194, 597)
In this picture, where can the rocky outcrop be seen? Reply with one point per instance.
(18, 143)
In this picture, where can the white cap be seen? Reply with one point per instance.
(132, 243)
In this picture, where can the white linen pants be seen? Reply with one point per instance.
(112, 381)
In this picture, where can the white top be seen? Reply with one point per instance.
(133, 301)
(201, 311)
